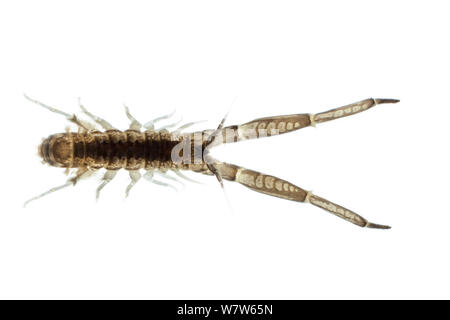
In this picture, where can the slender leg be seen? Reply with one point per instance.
(149, 177)
(187, 125)
(103, 123)
(276, 187)
(166, 176)
(109, 175)
(70, 117)
(160, 183)
(82, 173)
(135, 125)
(150, 125)
(171, 125)
(178, 173)
(135, 176)
(271, 126)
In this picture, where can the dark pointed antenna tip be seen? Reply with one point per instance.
(381, 101)
(376, 226)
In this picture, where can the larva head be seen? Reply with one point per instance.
(56, 150)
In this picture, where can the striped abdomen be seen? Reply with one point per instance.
(112, 150)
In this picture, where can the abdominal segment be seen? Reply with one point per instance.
(130, 150)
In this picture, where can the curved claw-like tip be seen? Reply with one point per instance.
(376, 226)
(381, 101)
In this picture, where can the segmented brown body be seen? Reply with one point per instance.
(114, 150)
(90, 149)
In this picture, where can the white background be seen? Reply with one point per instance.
(389, 164)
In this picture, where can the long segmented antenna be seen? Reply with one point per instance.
(48, 107)
(82, 173)
(69, 183)
(70, 117)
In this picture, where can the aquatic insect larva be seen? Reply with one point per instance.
(159, 151)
